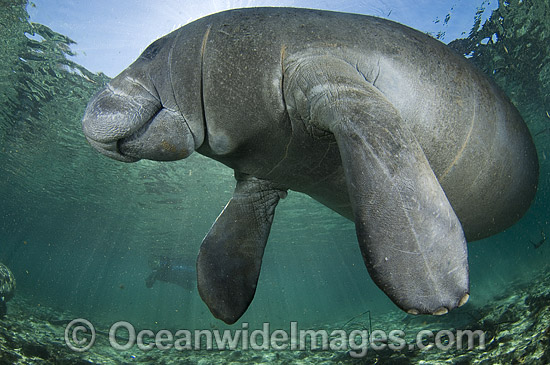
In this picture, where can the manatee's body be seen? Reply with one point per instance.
(381, 123)
(7, 288)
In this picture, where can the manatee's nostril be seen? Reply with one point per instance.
(440, 311)
(464, 299)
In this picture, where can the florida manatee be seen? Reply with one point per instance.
(379, 122)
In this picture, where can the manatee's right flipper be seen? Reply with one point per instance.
(410, 237)
(231, 254)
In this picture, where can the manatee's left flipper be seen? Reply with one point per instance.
(231, 254)
(410, 237)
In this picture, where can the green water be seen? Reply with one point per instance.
(77, 229)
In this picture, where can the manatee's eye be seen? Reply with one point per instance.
(153, 49)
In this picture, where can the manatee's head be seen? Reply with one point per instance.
(136, 116)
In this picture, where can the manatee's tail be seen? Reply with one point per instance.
(3, 308)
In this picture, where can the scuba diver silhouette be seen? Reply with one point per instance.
(171, 270)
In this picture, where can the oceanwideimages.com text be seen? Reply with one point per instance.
(80, 336)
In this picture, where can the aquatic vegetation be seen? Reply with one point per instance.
(515, 328)
(513, 46)
(7, 288)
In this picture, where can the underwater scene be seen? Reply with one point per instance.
(98, 258)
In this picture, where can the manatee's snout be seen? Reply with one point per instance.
(126, 121)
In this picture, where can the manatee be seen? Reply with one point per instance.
(379, 122)
(7, 288)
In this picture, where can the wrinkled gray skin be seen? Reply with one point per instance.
(381, 123)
